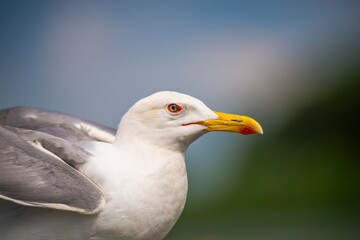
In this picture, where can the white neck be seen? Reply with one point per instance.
(145, 186)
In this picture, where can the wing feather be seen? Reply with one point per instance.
(55, 123)
(39, 160)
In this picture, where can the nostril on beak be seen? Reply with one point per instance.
(237, 120)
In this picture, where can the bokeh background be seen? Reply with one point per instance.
(292, 65)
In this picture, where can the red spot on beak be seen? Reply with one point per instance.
(247, 130)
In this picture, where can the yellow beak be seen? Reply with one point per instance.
(232, 123)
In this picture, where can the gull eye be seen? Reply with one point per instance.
(174, 108)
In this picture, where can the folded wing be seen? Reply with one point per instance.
(55, 123)
(39, 160)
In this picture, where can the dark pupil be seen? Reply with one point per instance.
(174, 108)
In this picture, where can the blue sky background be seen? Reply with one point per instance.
(94, 59)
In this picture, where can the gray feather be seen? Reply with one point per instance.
(30, 176)
(51, 122)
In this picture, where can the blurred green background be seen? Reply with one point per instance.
(292, 66)
(300, 183)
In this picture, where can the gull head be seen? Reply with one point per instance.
(176, 120)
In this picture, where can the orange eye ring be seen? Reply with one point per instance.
(174, 108)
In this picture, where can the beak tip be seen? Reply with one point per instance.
(261, 131)
(254, 128)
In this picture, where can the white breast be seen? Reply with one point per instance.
(145, 191)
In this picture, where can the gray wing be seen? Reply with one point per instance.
(55, 123)
(38, 160)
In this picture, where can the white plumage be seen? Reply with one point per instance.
(141, 173)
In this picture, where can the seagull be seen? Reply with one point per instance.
(62, 177)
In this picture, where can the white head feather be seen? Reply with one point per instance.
(150, 120)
